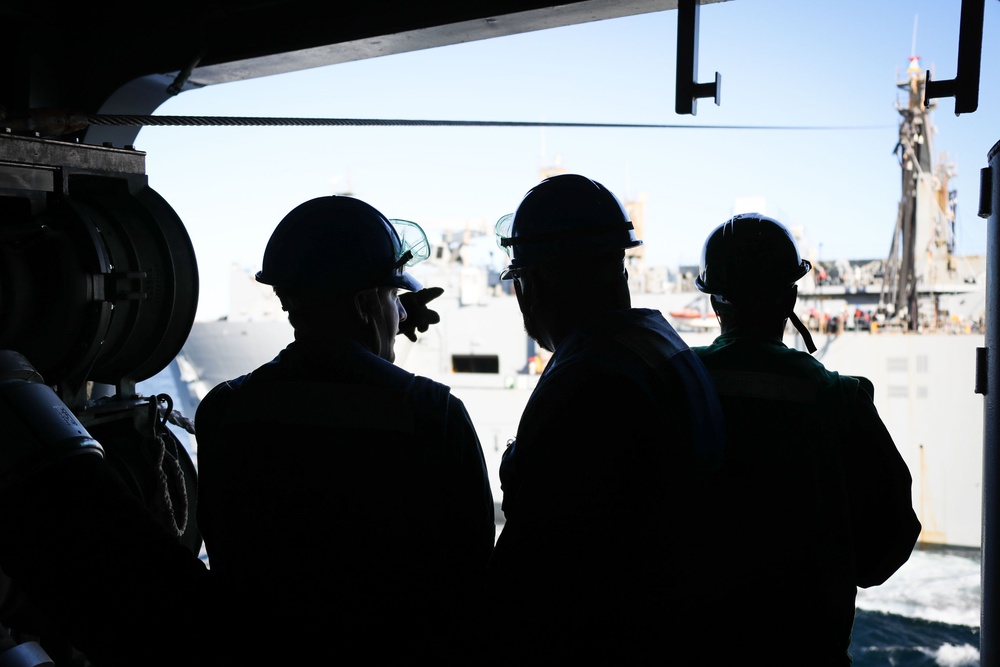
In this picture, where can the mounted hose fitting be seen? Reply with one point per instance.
(38, 427)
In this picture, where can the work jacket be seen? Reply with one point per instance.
(350, 499)
(813, 502)
(599, 559)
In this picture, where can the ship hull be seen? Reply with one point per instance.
(924, 388)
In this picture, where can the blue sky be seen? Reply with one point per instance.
(782, 63)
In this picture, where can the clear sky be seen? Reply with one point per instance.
(782, 63)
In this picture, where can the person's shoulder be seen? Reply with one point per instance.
(808, 361)
(705, 350)
(429, 385)
(223, 390)
(434, 401)
(214, 404)
(804, 363)
(831, 382)
(648, 318)
(761, 354)
(433, 390)
(636, 328)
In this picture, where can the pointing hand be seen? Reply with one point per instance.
(418, 316)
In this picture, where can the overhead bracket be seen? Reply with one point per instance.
(965, 86)
(182, 77)
(688, 88)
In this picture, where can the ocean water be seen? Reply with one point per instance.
(925, 615)
(889, 640)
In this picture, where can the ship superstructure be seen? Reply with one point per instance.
(923, 375)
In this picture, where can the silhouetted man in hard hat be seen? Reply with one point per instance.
(344, 502)
(347, 494)
(814, 497)
(599, 560)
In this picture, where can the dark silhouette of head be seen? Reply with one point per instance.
(749, 265)
(336, 264)
(566, 242)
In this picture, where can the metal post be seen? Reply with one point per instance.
(988, 384)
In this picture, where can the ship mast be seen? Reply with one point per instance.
(924, 232)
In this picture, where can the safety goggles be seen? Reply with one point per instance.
(411, 243)
(502, 230)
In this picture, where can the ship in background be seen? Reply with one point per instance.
(911, 322)
(914, 324)
(107, 292)
(923, 368)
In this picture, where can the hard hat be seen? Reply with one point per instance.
(562, 216)
(341, 244)
(749, 254)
